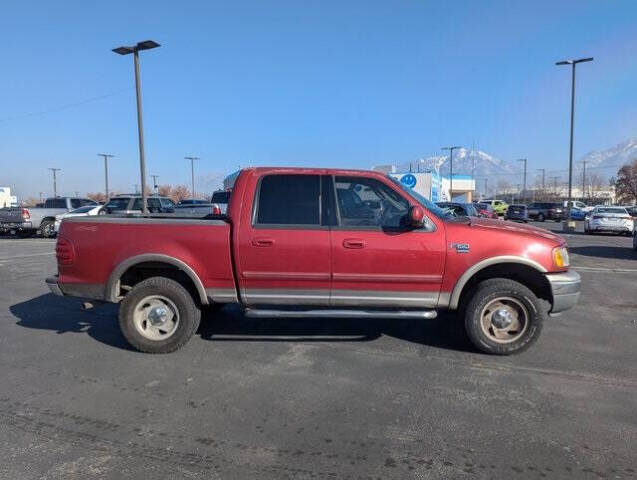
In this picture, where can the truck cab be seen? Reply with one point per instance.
(301, 242)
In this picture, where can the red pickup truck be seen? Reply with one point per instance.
(311, 242)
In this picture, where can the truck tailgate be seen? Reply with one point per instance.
(11, 215)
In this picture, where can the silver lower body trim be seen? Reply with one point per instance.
(565, 289)
(333, 313)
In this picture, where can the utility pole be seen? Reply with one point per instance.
(524, 181)
(572, 63)
(40, 197)
(192, 172)
(155, 177)
(451, 149)
(555, 179)
(543, 170)
(106, 156)
(55, 185)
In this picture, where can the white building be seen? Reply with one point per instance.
(6, 199)
(435, 187)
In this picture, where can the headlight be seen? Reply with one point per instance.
(560, 257)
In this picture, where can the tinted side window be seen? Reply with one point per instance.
(369, 202)
(76, 203)
(137, 204)
(153, 205)
(55, 203)
(167, 202)
(85, 202)
(289, 200)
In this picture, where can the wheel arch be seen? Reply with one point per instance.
(113, 284)
(503, 266)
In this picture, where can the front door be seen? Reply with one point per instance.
(377, 261)
(285, 249)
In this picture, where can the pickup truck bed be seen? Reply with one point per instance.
(312, 243)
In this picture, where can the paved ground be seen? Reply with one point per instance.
(320, 399)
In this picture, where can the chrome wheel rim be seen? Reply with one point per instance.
(156, 317)
(504, 319)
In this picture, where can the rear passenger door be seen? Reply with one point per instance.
(284, 251)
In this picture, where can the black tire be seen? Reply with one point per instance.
(490, 290)
(540, 217)
(47, 229)
(635, 242)
(188, 311)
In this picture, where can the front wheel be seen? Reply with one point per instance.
(503, 317)
(158, 316)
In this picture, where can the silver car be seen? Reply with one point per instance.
(609, 219)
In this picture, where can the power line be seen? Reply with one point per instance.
(64, 107)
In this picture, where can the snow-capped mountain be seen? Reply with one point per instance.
(464, 162)
(612, 158)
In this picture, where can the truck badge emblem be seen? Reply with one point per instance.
(460, 247)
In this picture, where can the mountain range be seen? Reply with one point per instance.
(483, 165)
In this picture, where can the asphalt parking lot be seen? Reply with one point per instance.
(317, 399)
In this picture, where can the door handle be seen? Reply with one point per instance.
(353, 243)
(262, 242)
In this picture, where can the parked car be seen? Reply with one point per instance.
(542, 211)
(191, 201)
(577, 204)
(198, 210)
(459, 209)
(221, 198)
(517, 213)
(288, 249)
(609, 219)
(632, 210)
(499, 206)
(41, 220)
(88, 210)
(577, 214)
(486, 210)
(132, 204)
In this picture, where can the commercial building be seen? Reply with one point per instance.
(6, 199)
(433, 186)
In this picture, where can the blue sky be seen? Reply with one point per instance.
(328, 83)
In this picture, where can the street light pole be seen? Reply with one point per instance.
(524, 179)
(451, 149)
(135, 49)
(55, 185)
(584, 180)
(572, 63)
(192, 173)
(106, 157)
(155, 177)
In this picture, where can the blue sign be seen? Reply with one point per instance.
(408, 180)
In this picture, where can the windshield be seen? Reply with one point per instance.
(220, 197)
(612, 210)
(428, 204)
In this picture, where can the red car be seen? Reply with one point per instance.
(485, 210)
(318, 243)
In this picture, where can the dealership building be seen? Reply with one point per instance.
(434, 186)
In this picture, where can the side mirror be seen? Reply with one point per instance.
(416, 216)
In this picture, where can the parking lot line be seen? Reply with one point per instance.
(609, 270)
(26, 256)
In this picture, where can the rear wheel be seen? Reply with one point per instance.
(540, 217)
(503, 317)
(47, 228)
(158, 316)
(635, 242)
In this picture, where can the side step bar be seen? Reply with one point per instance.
(331, 313)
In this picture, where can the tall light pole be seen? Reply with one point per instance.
(106, 157)
(524, 178)
(55, 185)
(572, 63)
(192, 172)
(135, 49)
(451, 149)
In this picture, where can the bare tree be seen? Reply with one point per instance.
(99, 197)
(626, 183)
(30, 202)
(180, 192)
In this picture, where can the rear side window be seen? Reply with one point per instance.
(56, 203)
(288, 200)
(220, 197)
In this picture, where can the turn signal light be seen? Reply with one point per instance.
(560, 257)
